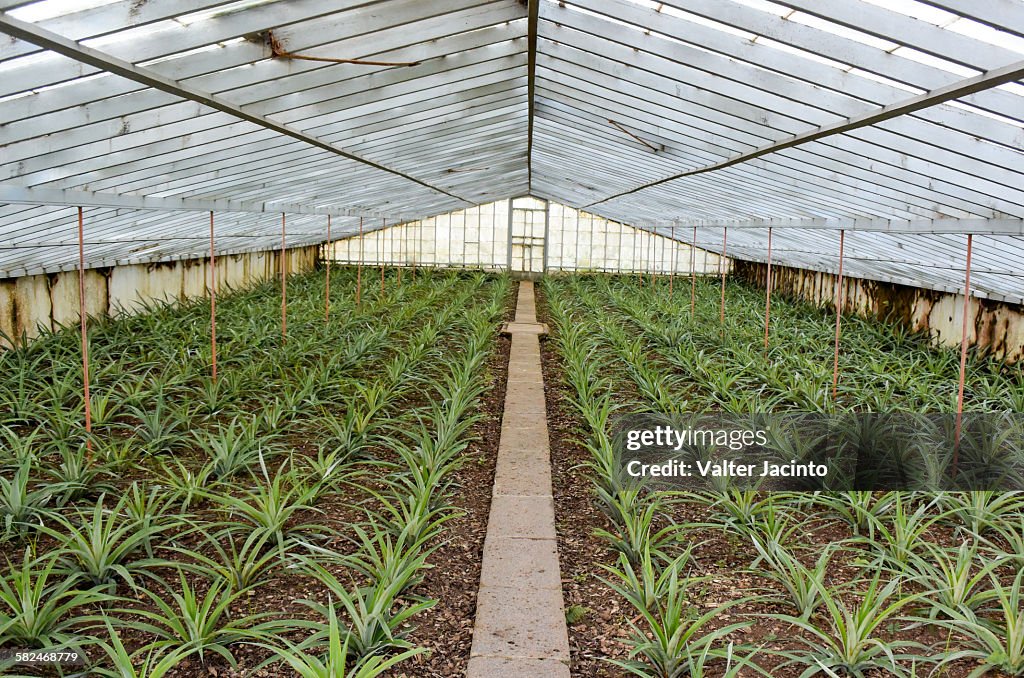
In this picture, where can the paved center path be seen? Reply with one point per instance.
(520, 622)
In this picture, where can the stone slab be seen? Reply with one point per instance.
(523, 360)
(514, 621)
(523, 367)
(519, 327)
(523, 357)
(516, 667)
(523, 477)
(531, 436)
(519, 516)
(508, 561)
(533, 388)
(526, 402)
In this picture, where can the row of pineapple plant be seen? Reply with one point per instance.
(907, 565)
(327, 456)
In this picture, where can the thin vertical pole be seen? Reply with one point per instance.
(605, 232)
(638, 252)
(284, 284)
(547, 228)
(963, 354)
(675, 258)
(576, 241)
(494, 237)
(839, 314)
(85, 338)
(213, 304)
(327, 293)
(721, 268)
(465, 228)
(654, 257)
(768, 293)
(508, 242)
(395, 236)
(622, 234)
(593, 242)
(359, 267)
(451, 259)
(693, 274)
(384, 225)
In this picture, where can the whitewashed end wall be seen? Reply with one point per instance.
(479, 238)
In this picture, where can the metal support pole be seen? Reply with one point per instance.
(394, 255)
(213, 304)
(721, 268)
(508, 242)
(768, 293)
(654, 258)
(327, 292)
(693, 275)
(547, 225)
(359, 267)
(284, 285)
(675, 252)
(638, 253)
(384, 225)
(839, 315)
(85, 338)
(963, 355)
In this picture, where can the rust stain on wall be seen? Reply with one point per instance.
(31, 304)
(994, 327)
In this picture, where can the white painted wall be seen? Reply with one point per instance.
(36, 303)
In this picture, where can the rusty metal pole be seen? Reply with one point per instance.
(638, 250)
(768, 292)
(284, 284)
(721, 268)
(85, 338)
(359, 267)
(327, 293)
(963, 354)
(675, 252)
(654, 258)
(398, 262)
(213, 304)
(839, 315)
(384, 225)
(693, 274)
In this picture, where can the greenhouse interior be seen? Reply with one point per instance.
(512, 338)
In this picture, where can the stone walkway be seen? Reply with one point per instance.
(520, 627)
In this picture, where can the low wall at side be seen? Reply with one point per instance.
(31, 304)
(993, 326)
